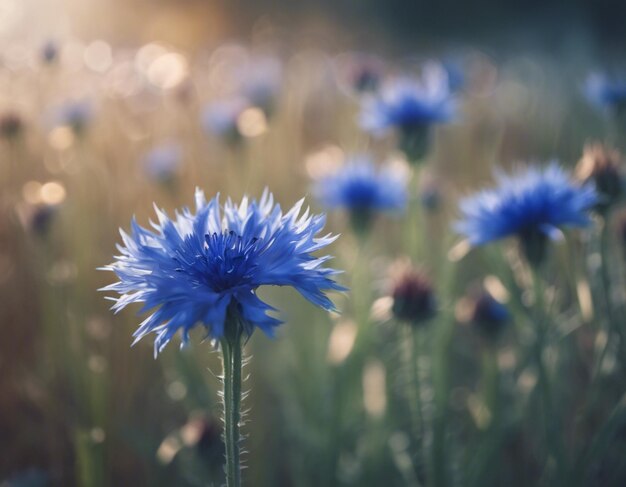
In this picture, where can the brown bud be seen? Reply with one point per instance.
(601, 166)
(413, 296)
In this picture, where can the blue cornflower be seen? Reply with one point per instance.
(455, 71)
(199, 269)
(11, 125)
(489, 315)
(359, 73)
(162, 162)
(262, 80)
(49, 51)
(363, 190)
(75, 114)
(606, 93)
(220, 118)
(410, 107)
(531, 204)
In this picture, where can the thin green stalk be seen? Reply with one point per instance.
(232, 364)
(550, 419)
(484, 463)
(415, 218)
(441, 358)
(491, 378)
(417, 418)
(613, 324)
(441, 381)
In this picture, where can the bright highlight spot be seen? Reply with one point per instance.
(251, 122)
(52, 193)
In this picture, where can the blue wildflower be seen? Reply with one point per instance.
(75, 114)
(262, 80)
(606, 93)
(40, 220)
(49, 52)
(162, 162)
(531, 204)
(363, 190)
(359, 74)
(11, 125)
(199, 269)
(456, 74)
(489, 315)
(410, 107)
(220, 117)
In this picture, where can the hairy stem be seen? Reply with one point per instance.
(232, 363)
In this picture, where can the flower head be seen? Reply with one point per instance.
(413, 297)
(198, 268)
(75, 114)
(359, 74)
(601, 166)
(532, 204)
(363, 190)
(11, 125)
(606, 93)
(262, 79)
(489, 315)
(49, 52)
(220, 118)
(410, 107)
(162, 162)
(39, 219)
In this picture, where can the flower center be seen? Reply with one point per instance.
(229, 259)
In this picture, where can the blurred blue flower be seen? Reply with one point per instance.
(49, 51)
(456, 74)
(359, 73)
(262, 81)
(410, 107)
(219, 118)
(363, 190)
(606, 93)
(42, 218)
(489, 315)
(199, 268)
(407, 103)
(11, 125)
(76, 114)
(162, 162)
(531, 204)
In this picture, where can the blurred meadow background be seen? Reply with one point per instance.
(109, 106)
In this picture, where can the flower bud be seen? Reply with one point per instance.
(413, 297)
(489, 315)
(601, 165)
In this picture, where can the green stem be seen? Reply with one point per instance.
(550, 418)
(232, 364)
(413, 342)
(613, 325)
(441, 363)
(415, 216)
(441, 384)
(491, 378)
